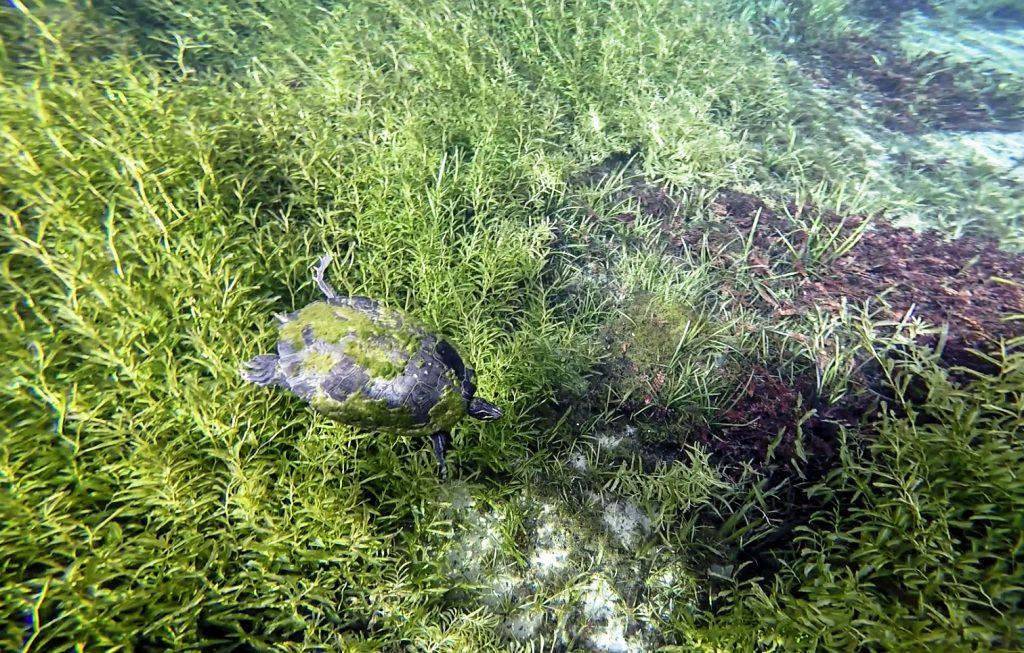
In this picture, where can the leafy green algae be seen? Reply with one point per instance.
(378, 359)
(318, 362)
(377, 415)
(361, 411)
(326, 322)
(158, 507)
(381, 345)
(449, 409)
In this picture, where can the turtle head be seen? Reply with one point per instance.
(485, 410)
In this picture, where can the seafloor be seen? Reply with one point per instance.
(758, 343)
(969, 285)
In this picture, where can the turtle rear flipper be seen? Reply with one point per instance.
(442, 441)
(262, 370)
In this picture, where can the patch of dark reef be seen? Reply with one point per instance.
(968, 283)
(780, 427)
(918, 93)
(154, 30)
(777, 433)
(1008, 13)
(883, 11)
(993, 12)
(913, 93)
(221, 39)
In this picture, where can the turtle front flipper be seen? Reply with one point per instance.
(441, 441)
(451, 358)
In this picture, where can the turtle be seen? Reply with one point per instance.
(372, 367)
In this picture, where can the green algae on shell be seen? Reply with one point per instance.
(362, 411)
(448, 410)
(380, 344)
(318, 362)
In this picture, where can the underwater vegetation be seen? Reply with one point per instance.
(745, 406)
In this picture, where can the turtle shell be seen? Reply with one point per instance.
(369, 366)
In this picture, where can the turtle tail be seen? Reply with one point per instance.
(318, 277)
(262, 370)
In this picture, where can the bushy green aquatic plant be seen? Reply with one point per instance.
(671, 362)
(147, 223)
(168, 175)
(806, 20)
(917, 544)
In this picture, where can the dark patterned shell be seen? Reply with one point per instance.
(366, 365)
